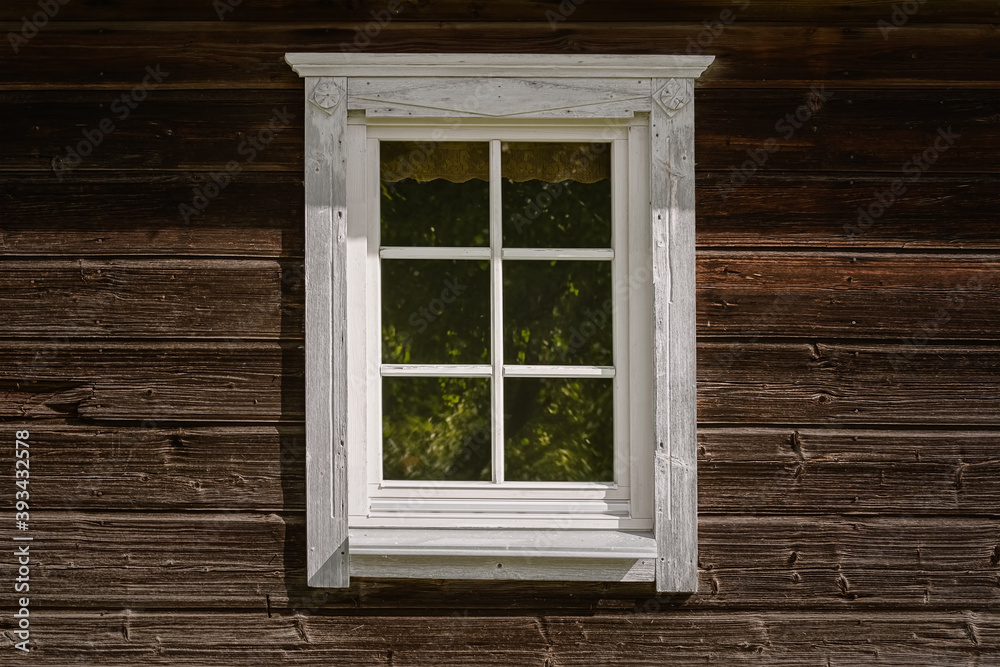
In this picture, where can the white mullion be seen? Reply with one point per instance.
(496, 319)
(530, 371)
(593, 254)
(422, 252)
(437, 370)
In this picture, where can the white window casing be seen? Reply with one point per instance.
(642, 527)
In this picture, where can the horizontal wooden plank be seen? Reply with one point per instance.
(229, 54)
(799, 383)
(150, 467)
(773, 639)
(154, 382)
(740, 470)
(912, 299)
(240, 560)
(775, 210)
(260, 213)
(792, 471)
(651, 637)
(174, 298)
(738, 382)
(846, 12)
(739, 134)
(166, 130)
(906, 133)
(139, 213)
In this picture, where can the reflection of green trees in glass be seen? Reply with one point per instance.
(438, 213)
(558, 429)
(435, 311)
(556, 215)
(436, 428)
(559, 313)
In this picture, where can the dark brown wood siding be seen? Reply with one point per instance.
(849, 366)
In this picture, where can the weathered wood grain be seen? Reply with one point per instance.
(846, 12)
(139, 213)
(672, 256)
(247, 561)
(740, 470)
(658, 635)
(509, 97)
(203, 298)
(326, 408)
(792, 472)
(776, 210)
(158, 382)
(146, 466)
(749, 131)
(830, 128)
(774, 639)
(738, 382)
(798, 383)
(168, 130)
(260, 214)
(910, 299)
(228, 54)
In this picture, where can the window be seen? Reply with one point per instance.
(500, 317)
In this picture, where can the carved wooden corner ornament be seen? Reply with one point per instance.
(327, 95)
(674, 96)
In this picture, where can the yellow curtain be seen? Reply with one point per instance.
(459, 162)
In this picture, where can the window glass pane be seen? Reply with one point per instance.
(557, 312)
(556, 195)
(435, 193)
(558, 430)
(436, 429)
(435, 311)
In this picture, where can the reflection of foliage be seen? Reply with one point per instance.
(554, 313)
(435, 311)
(557, 313)
(556, 215)
(438, 213)
(559, 430)
(436, 428)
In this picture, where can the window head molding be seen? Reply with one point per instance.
(513, 65)
(367, 90)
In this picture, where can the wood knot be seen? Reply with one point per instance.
(823, 398)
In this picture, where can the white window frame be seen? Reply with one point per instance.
(358, 525)
(626, 503)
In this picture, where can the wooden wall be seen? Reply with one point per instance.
(848, 393)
